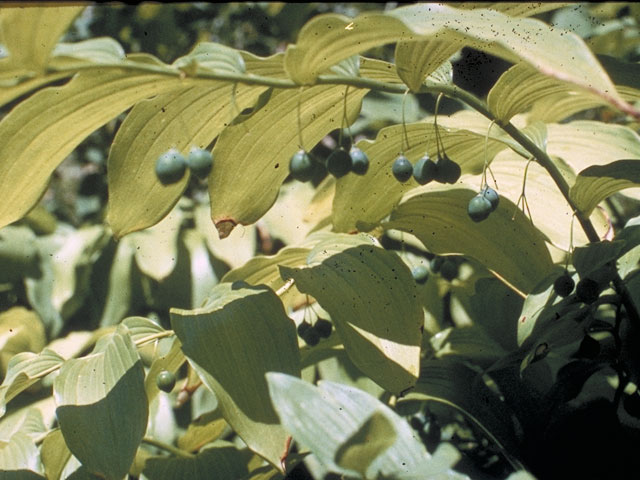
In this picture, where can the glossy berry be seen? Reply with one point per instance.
(339, 163)
(303, 327)
(420, 274)
(301, 166)
(436, 263)
(311, 337)
(425, 170)
(491, 195)
(402, 168)
(587, 290)
(449, 270)
(166, 380)
(170, 167)
(479, 208)
(448, 171)
(564, 284)
(200, 162)
(359, 161)
(323, 327)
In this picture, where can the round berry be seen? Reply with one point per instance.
(436, 263)
(200, 162)
(339, 163)
(311, 337)
(323, 327)
(402, 168)
(563, 286)
(448, 171)
(302, 328)
(420, 274)
(166, 380)
(449, 270)
(359, 161)
(425, 170)
(491, 195)
(587, 290)
(479, 208)
(301, 166)
(170, 167)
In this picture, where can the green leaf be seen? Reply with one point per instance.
(370, 440)
(192, 116)
(94, 50)
(327, 417)
(381, 331)
(30, 34)
(417, 60)
(592, 257)
(24, 370)
(596, 183)
(241, 333)
(470, 343)
(221, 460)
(264, 269)
(357, 198)
(27, 420)
(262, 146)
(585, 143)
(141, 328)
(212, 57)
(103, 392)
(202, 430)
(18, 254)
(509, 246)
(171, 361)
(327, 39)
(55, 454)
(21, 457)
(57, 119)
(120, 294)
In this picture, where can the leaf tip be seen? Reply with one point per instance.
(225, 226)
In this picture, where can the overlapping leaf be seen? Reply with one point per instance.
(241, 333)
(192, 116)
(325, 418)
(20, 458)
(57, 119)
(508, 245)
(254, 155)
(380, 331)
(24, 370)
(417, 60)
(327, 39)
(103, 392)
(596, 183)
(30, 34)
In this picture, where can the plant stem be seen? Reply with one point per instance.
(169, 448)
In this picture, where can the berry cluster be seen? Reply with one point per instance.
(448, 267)
(172, 165)
(587, 289)
(312, 334)
(443, 170)
(483, 204)
(338, 164)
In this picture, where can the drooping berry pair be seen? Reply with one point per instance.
(172, 165)
(483, 204)
(339, 163)
(443, 170)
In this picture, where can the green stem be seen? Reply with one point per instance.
(169, 448)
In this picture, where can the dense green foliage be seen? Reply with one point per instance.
(265, 241)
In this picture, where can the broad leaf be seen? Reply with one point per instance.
(456, 385)
(585, 143)
(19, 254)
(58, 119)
(171, 361)
(20, 458)
(20, 330)
(241, 333)
(27, 420)
(510, 246)
(326, 419)
(103, 393)
(415, 61)
(327, 39)
(380, 331)
(24, 370)
(467, 343)
(202, 430)
(221, 460)
(142, 328)
(594, 184)
(254, 155)
(55, 454)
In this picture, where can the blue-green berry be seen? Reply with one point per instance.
(200, 162)
(359, 161)
(170, 167)
(402, 169)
